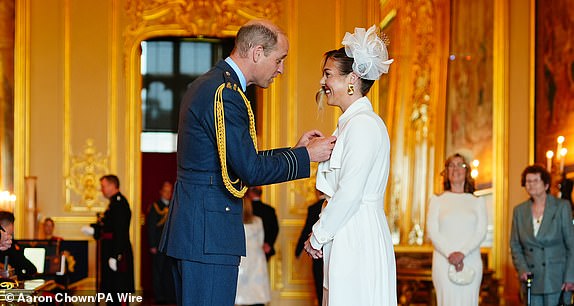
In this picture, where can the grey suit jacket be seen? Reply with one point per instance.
(549, 255)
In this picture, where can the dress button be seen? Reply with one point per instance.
(543, 264)
(227, 208)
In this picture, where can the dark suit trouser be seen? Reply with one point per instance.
(202, 284)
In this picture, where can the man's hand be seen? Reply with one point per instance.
(320, 148)
(315, 254)
(153, 251)
(5, 241)
(304, 140)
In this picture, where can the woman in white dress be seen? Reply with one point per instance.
(352, 234)
(253, 280)
(456, 225)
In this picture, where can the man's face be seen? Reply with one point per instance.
(48, 228)
(268, 67)
(166, 191)
(8, 227)
(108, 189)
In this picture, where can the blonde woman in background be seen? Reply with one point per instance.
(456, 225)
(253, 280)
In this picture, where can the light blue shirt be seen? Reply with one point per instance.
(238, 72)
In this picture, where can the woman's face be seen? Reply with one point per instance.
(334, 84)
(534, 185)
(457, 171)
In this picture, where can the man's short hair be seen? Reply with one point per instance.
(49, 220)
(112, 179)
(256, 34)
(6, 216)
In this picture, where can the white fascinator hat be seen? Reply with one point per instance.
(369, 53)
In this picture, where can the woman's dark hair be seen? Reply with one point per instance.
(534, 169)
(345, 65)
(468, 180)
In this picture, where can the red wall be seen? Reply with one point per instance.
(156, 169)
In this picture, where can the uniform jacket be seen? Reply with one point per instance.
(270, 224)
(116, 243)
(549, 255)
(205, 220)
(155, 221)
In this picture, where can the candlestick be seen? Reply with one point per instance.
(560, 141)
(549, 155)
(563, 152)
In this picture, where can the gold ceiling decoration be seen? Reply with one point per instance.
(210, 18)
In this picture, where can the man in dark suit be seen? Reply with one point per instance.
(217, 157)
(162, 278)
(23, 267)
(116, 257)
(313, 212)
(269, 218)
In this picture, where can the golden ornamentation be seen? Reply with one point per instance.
(419, 149)
(82, 183)
(9, 285)
(195, 18)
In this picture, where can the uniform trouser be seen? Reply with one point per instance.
(202, 284)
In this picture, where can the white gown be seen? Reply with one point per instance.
(456, 222)
(253, 279)
(358, 252)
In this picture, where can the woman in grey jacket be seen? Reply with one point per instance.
(542, 239)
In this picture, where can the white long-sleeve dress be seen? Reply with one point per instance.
(456, 222)
(253, 280)
(358, 252)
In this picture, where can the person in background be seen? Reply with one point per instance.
(162, 266)
(48, 228)
(313, 212)
(542, 239)
(352, 235)
(23, 267)
(268, 216)
(253, 286)
(217, 157)
(456, 225)
(116, 257)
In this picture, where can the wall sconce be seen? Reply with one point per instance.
(474, 169)
(560, 156)
(7, 201)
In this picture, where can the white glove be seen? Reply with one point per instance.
(113, 263)
(87, 230)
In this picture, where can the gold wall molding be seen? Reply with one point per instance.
(83, 180)
(194, 18)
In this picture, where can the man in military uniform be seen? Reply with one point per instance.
(267, 214)
(116, 257)
(217, 158)
(162, 277)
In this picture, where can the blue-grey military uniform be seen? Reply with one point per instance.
(204, 230)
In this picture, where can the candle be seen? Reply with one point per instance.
(563, 152)
(549, 155)
(559, 140)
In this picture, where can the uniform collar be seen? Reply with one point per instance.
(235, 68)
